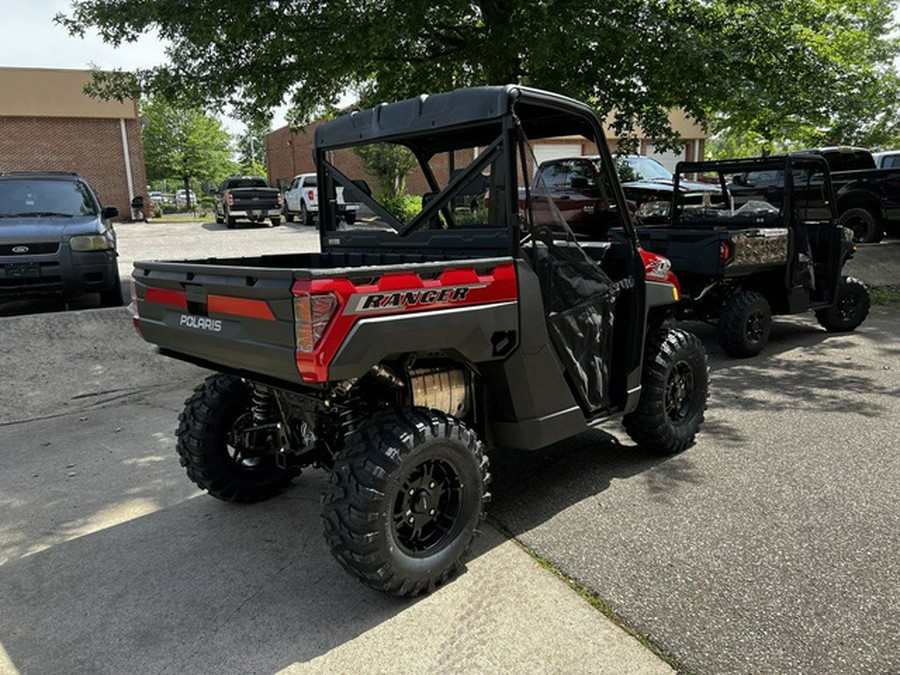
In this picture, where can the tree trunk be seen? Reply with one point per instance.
(500, 55)
(187, 192)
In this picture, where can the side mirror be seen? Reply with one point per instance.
(109, 212)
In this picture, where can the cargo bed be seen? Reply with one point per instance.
(240, 314)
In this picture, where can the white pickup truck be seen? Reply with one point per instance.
(302, 199)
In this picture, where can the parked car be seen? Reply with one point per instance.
(302, 199)
(181, 198)
(889, 159)
(56, 239)
(644, 179)
(577, 189)
(248, 198)
(156, 197)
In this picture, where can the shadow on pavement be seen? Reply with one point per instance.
(199, 585)
(213, 226)
(529, 489)
(806, 368)
(24, 306)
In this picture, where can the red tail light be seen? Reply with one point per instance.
(725, 251)
(229, 199)
(311, 195)
(312, 314)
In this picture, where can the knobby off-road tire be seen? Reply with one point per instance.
(674, 388)
(210, 447)
(864, 225)
(745, 324)
(406, 497)
(850, 308)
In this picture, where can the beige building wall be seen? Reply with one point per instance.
(47, 92)
(48, 123)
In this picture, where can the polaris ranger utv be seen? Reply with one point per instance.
(412, 344)
(768, 243)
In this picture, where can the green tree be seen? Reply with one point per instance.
(184, 143)
(769, 67)
(251, 146)
(388, 165)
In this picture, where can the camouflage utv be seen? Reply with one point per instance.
(768, 243)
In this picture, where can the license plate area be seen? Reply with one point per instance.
(27, 270)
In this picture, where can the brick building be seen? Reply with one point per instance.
(289, 151)
(48, 123)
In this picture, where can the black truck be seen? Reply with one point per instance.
(868, 198)
(746, 255)
(248, 198)
(399, 355)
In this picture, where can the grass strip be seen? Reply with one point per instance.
(595, 601)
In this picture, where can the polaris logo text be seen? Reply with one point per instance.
(403, 300)
(200, 322)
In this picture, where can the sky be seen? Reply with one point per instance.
(30, 39)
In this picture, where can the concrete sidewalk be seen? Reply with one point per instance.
(111, 562)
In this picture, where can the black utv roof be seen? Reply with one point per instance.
(477, 110)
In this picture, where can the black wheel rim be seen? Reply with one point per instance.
(859, 227)
(847, 307)
(679, 392)
(756, 324)
(427, 507)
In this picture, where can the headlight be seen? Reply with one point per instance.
(90, 242)
(654, 209)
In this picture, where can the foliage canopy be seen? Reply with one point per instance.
(776, 68)
(184, 143)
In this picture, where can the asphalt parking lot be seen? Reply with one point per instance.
(768, 547)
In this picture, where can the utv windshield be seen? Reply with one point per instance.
(401, 188)
(45, 198)
(483, 177)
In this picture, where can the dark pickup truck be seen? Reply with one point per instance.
(403, 352)
(248, 198)
(779, 252)
(868, 198)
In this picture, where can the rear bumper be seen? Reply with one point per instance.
(273, 212)
(341, 208)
